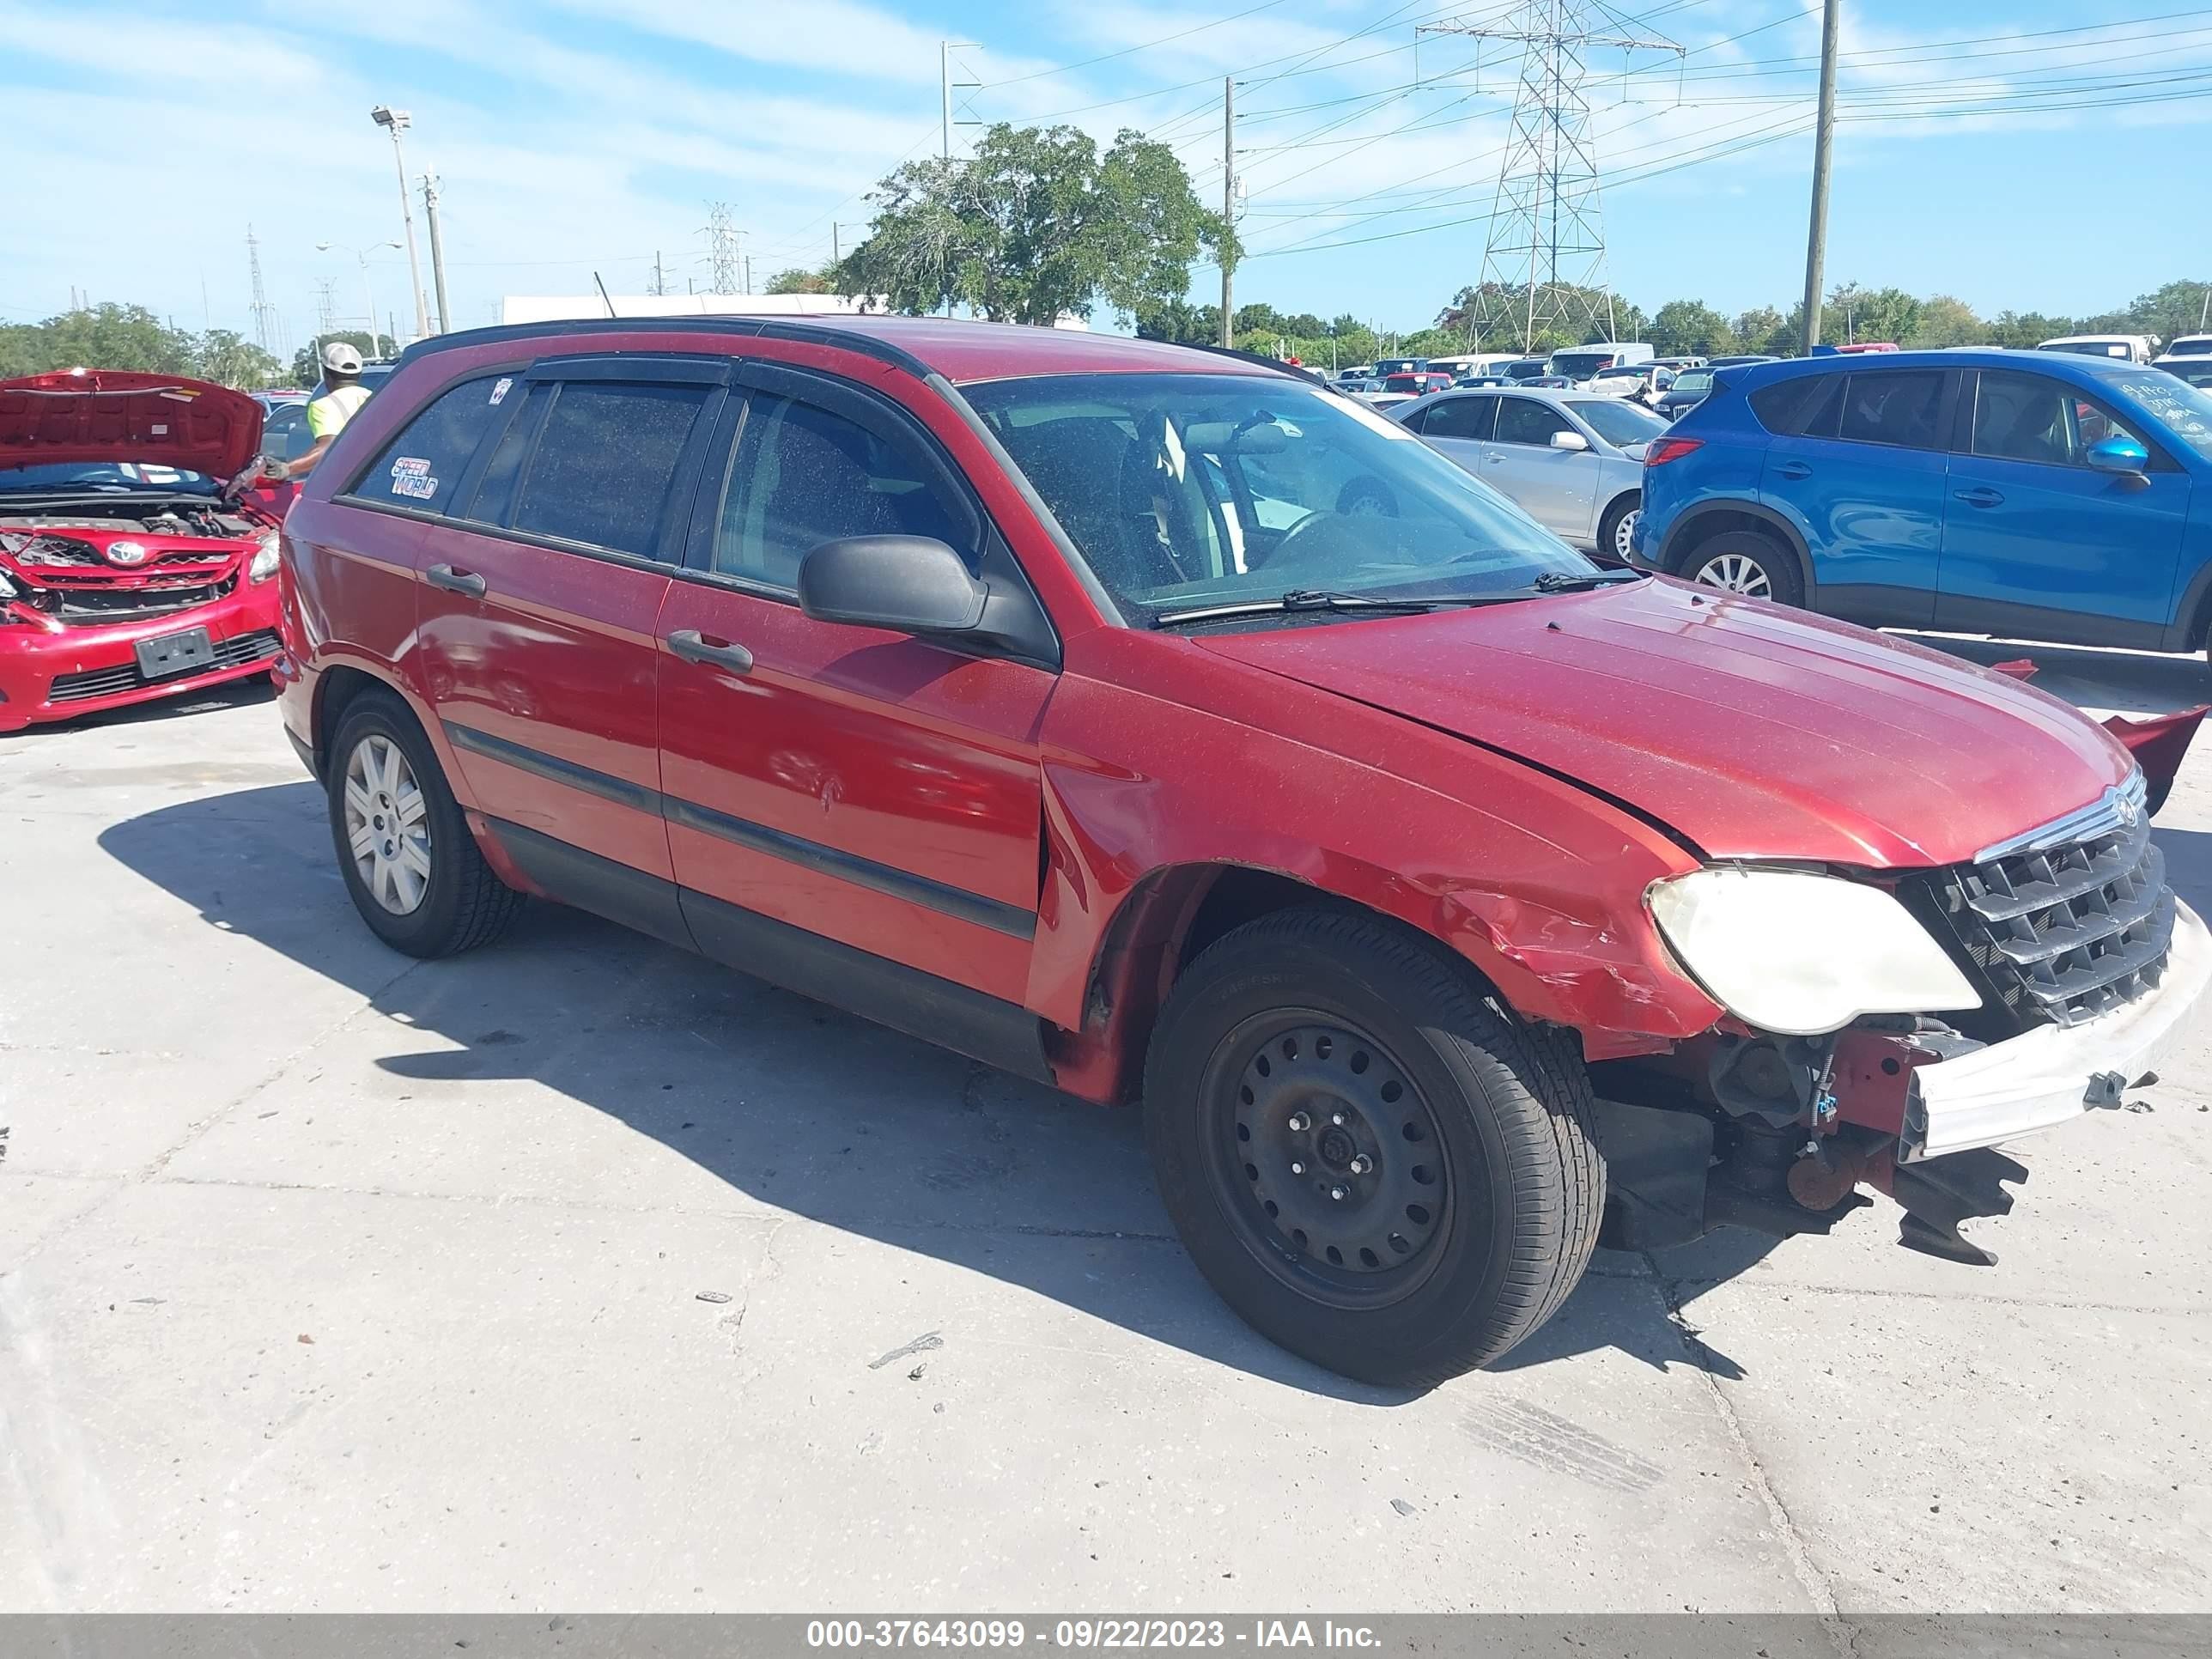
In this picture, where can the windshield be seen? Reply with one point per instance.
(1619, 423)
(104, 478)
(2185, 411)
(1581, 365)
(2191, 345)
(2087, 348)
(1694, 379)
(1193, 490)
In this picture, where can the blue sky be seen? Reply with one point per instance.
(572, 135)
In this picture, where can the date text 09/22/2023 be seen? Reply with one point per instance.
(1104, 1633)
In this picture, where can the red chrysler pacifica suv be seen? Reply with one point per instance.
(1158, 725)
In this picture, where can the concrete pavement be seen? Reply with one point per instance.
(580, 1274)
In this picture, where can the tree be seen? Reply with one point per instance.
(228, 359)
(1037, 225)
(99, 336)
(1179, 321)
(308, 367)
(1853, 312)
(1756, 329)
(2173, 309)
(1690, 328)
(800, 281)
(1945, 321)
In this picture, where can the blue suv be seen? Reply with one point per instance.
(2019, 493)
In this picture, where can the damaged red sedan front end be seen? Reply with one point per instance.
(128, 570)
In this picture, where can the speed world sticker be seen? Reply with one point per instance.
(410, 477)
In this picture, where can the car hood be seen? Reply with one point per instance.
(77, 416)
(1752, 731)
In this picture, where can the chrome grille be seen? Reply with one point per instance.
(2070, 922)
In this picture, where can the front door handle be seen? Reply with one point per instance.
(694, 647)
(1981, 496)
(456, 581)
(1793, 469)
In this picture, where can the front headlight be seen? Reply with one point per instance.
(265, 558)
(1800, 954)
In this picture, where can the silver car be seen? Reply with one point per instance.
(1572, 460)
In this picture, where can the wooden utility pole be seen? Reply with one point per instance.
(1228, 206)
(1816, 240)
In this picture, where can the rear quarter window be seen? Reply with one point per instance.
(420, 469)
(1795, 408)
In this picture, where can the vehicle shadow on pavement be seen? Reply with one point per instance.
(784, 1101)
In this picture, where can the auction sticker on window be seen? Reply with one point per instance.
(410, 477)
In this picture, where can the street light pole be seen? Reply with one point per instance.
(397, 121)
(366, 292)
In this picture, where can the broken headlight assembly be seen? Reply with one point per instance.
(265, 558)
(1798, 953)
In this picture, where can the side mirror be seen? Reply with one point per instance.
(1569, 441)
(2123, 455)
(914, 584)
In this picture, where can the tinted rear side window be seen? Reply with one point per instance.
(1896, 407)
(1803, 407)
(420, 468)
(604, 463)
(1461, 417)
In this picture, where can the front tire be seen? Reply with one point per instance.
(1375, 1165)
(1744, 562)
(413, 871)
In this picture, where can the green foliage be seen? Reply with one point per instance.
(130, 337)
(307, 366)
(1946, 321)
(1036, 225)
(799, 280)
(1180, 322)
(1690, 328)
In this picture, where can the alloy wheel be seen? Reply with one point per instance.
(387, 825)
(1328, 1160)
(1624, 533)
(1738, 573)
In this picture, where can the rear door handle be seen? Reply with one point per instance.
(456, 581)
(1793, 469)
(1981, 496)
(694, 647)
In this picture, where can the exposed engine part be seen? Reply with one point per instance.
(1752, 1186)
(1774, 1079)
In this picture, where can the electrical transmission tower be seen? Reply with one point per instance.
(326, 319)
(721, 249)
(1543, 265)
(265, 315)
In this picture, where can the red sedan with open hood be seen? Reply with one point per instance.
(1161, 726)
(128, 569)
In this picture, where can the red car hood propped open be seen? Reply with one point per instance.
(1754, 731)
(75, 416)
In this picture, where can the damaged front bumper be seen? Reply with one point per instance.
(2051, 1073)
(53, 671)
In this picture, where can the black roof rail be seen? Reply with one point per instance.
(768, 328)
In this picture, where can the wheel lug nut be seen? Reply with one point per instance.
(1337, 1118)
(1337, 1193)
(1300, 1123)
(1298, 1168)
(1362, 1165)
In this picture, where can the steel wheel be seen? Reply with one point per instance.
(387, 825)
(1625, 533)
(1738, 573)
(1327, 1158)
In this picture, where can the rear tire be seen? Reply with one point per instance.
(1614, 529)
(415, 872)
(1747, 562)
(1375, 1165)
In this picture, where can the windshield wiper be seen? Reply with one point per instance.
(1311, 599)
(1572, 581)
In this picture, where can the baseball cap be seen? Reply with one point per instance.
(339, 358)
